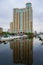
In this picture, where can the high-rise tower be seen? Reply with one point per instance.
(22, 19)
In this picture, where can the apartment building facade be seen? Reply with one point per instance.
(23, 19)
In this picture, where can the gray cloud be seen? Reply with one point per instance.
(37, 15)
(6, 12)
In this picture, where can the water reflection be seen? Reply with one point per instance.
(5, 42)
(22, 51)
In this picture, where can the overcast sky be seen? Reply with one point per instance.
(6, 12)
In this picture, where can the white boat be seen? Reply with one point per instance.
(11, 38)
(6, 38)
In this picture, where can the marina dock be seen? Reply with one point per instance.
(11, 38)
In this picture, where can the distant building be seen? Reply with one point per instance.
(11, 27)
(1, 30)
(23, 19)
(8, 30)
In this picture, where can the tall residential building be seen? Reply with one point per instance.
(22, 19)
(11, 27)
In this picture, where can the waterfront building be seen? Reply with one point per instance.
(11, 27)
(23, 19)
(1, 30)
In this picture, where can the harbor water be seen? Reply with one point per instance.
(21, 52)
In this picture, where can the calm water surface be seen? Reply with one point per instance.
(21, 52)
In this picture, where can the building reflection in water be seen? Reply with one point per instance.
(22, 51)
